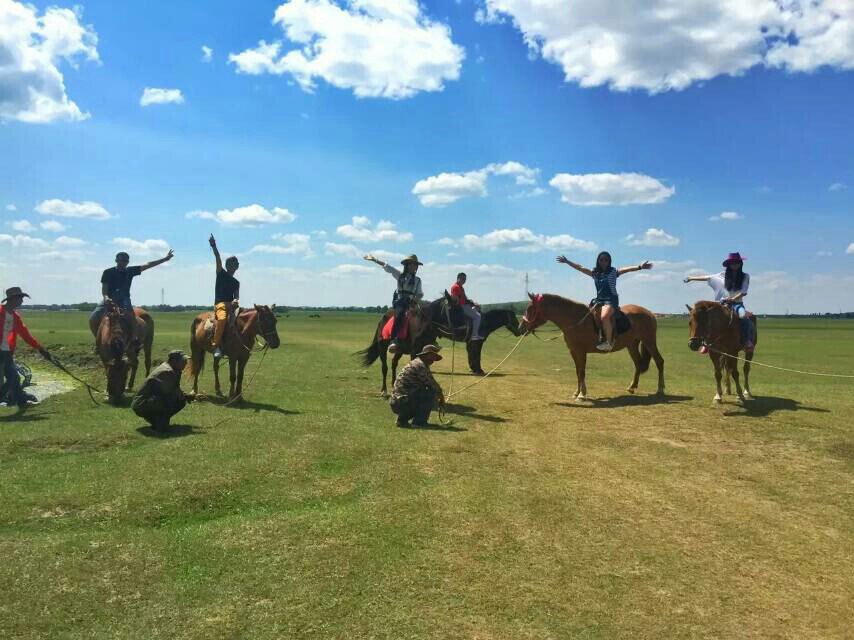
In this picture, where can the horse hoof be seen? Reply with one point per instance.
(384, 395)
(748, 396)
(631, 389)
(580, 398)
(716, 400)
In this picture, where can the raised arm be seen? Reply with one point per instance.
(154, 263)
(640, 267)
(385, 265)
(212, 242)
(574, 265)
(697, 279)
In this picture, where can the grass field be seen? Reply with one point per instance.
(307, 514)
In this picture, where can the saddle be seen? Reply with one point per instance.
(210, 325)
(622, 324)
(403, 332)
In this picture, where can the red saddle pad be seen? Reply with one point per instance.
(403, 334)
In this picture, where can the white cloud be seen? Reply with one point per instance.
(53, 226)
(11, 207)
(593, 189)
(207, 53)
(850, 249)
(671, 45)
(23, 225)
(728, 216)
(837, 186)
(446, 188)
(376, 48)
(536, 192)
(69, 209)
(32, 47)
(65, 241)
(823, 253)
(653, 238)
(352, 251)
(352, 269)
(23, 242)
(142, 247)
(153, 95)
(525, 241)
(448, 242)
(289, 244)
(253, 215)
(361, 231)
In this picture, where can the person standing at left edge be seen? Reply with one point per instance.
(160, 396)
(11, 326)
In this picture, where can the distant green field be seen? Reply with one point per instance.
(305, 513)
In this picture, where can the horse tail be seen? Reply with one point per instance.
(196, 361)
(645, 357)
(370, 355)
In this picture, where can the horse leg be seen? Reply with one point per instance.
(747, 358)
(636, 359)
(580, 359)
(659, 364)
(241, 367)
(384, 363)
(394, 361)
(217, 387)
(134, 365)
(733, 368)
(716, 360)
(727, 381)
(232, 377)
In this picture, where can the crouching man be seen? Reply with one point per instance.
(416, 390)
(160, 396)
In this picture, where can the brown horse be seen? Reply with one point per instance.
(716, 326)
(238, 343)
(576, 322)
(117, 354)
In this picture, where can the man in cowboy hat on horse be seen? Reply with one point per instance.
(416, 390)
(11, 326)
(408, 291)
(160, 396)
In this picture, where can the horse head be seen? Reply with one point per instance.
(267, 324)
(534, 316)
(704, 320)
(511, 322)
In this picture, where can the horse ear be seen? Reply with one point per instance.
(690, 308)
(532, 297)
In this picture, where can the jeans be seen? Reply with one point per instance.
(100, 310)
(9, 374)
(417, 406)
(401, 306)
(470, 312)
(746, 324)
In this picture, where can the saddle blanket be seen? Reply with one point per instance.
(403, 334)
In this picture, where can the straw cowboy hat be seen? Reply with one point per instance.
(733, 257)
(14, 292)
(430, 350)
(412, 258)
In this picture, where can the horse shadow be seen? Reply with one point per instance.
(173, 431)
(262, 406)
(764, 406)
(437, 427)
(625, 401)
(469, 412)
(21, 415)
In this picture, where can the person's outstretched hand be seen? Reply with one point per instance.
(562, 259)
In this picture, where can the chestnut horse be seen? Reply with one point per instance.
(237, 345)
(117, 354)
(576, 322)
(716, 326)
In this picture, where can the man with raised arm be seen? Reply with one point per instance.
(226, 295)
(115, 286)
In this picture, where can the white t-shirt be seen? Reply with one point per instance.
(7, 329)
(717, 283)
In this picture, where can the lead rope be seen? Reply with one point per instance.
(89, 388)
(450, 386)
(771, 366)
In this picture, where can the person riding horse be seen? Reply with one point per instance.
(471, 309)
(226, 296)
(605, 277)
(408, 291)
(115, 286)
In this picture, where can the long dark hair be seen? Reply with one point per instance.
(596, 269)
(733, 281)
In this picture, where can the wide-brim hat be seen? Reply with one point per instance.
(733, 257)
(14, 292)
(430, 350)
(176, 354)
(412, 258)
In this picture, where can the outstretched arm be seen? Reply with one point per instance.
(212, 242)
(640, 267)
(154, 263)
(574, 265)
(385, 265)
(697, 279)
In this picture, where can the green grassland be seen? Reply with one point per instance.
(304, 513)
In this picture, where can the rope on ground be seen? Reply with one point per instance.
(248, 384)
(490, 372)
(89, 388)
(450, 386)
(771, 366)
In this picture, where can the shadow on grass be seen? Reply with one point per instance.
(763, 406)
(23, 415)
(246, 404)
(173, 431)
(625, 401)
(497, 374)
(433, 426)
(469, 412)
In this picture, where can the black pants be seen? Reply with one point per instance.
(417, 406)
(157, 410)
(401, 306)
(9, 378)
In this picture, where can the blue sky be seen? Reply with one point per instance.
(425, 123)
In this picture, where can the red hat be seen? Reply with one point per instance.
(733, 257)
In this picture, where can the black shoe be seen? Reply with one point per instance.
(420, 423)
(403, 424)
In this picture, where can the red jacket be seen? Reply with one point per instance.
(18, 327)
(459, 293)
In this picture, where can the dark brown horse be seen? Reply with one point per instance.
(717, 327)
(118, 355)
(237, 345)
(491, 321)
(580, 335)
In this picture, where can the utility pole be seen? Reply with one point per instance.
(527, 291)
(162, 297)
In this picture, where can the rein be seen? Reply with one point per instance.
(89, 388)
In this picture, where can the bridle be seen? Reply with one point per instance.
(536, 303)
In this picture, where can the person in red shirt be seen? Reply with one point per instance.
(11, 326)
(470, 308)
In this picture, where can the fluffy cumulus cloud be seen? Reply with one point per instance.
(32, 49)
(154, 95)
(522, 240)
(376, 48)
(287, 244)
(207, 53)
(142, 247)
(24, 226)
(361, 230)
(69, 209)
(20, 241)
(593, 189)
(726, 216)
(53, 226)
(11, 207)
(653, 238)
(837, 186)
(253, 215)
(850, 249)
(446, 188)
(671, 45)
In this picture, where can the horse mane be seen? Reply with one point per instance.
(554, 299)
